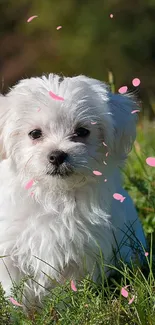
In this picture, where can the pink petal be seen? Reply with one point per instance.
(93, 122)
(111, 15)
(124, 293)
(135, 111)
(104, 163)
(150, 161)
(29, 184)
(123, 90)
(146, 254)
(73, 287)
(105, 180)
(136, 82)
(59, 27)
(31, 18)
(104, 144)
(14, 302)
(107, 154)
(118, 197)
(54, 96)
(131, 300)
(32, 194)
(39, 109)
(97, 173)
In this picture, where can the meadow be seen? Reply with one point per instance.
(107, 304)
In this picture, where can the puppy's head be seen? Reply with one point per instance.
(62, 138)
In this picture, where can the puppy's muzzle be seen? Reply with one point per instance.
(57, 157)
(59, 163)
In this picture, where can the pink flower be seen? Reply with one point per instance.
(135, 111)
(131, 300)
(97, 173)
(124, 293)
(73, 287)
(31, 18)
(136, 82)
(29, 184)
(54, 96)
(150, 161)
(123, 89)
(14, 302)
(119, 197)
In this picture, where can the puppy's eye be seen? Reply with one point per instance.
(82, 132)
(35, 134)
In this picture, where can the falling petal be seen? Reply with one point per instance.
(14, 302)
(29, 184)
(111, 15)
(73, 287)
(93, 122)
(104, 163)
(135, 111)
(107, 154)
(105, 180)
(123, 89)
(104, 144)
(124, 293)
(118, 197)
(54, 96)
(31, 18)
(97, 173)
(131, 300)
(150, 161)
(59, 27)
(146, 254)
(136, 82)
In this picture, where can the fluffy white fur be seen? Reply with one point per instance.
(68, 219)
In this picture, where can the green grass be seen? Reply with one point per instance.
(92, 304)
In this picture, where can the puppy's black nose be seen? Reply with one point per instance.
(57, 157)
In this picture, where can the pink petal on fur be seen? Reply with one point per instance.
(14, 302)
(73, 287)
(59, 27)
(131, 300)
(29, 184)
(107, 154)
(123, 90)
(124, 293)
(118, 197)
(135, 111)
(104, 144)
(111, 15)
(93, 123)
(136, 82)
(54, 96)
(146, 254)
(150, 161)
(97, 173)
(31, 18)
(39, 109)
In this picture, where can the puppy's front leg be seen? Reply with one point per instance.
(9, 273)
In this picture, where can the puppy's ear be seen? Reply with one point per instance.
(124, 122)
(3, 118)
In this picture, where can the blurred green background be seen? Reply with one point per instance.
(90, 42)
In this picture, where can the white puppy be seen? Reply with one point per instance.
(55, 213)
